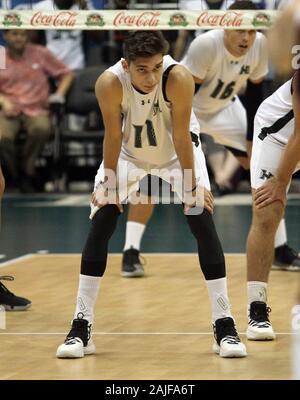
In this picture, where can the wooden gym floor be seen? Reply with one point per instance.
(156, 327)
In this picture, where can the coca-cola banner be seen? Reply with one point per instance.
(137, 19)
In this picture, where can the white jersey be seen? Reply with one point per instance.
(275, 115)
(66, 45)
(147, 122)
(224, 75)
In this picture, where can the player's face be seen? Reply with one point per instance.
(145, 72)
(16, 39)
(238, 42)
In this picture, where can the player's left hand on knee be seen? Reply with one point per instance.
(201, 198)
(271, 191)
(103, 196)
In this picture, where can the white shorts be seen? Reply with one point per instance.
(228, 126)
(130, 173)
(266, 155)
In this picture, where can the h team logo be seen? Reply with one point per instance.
(178, 19)
(265, 175)
(95, 20)
(262, 20)
(11, 20)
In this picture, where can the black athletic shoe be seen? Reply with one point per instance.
(78, 342)
(10, 301)
(131, 264)
(259, 326)
(286, 259)
(227, 341)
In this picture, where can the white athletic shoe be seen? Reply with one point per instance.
(78, 342)
(259, 326)
(228, 343)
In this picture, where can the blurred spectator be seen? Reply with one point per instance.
(66, 45)
(24, 98)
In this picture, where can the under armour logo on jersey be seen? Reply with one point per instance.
(156, 108)
(234, 62)
(245, 70)
(265, 174)
(143, 102)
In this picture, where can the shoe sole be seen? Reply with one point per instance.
(285, 267)
(261, 336)
(85, 351)
(132, 274)
(16, 308)
(229, 354)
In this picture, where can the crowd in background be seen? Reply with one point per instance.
(58, 57)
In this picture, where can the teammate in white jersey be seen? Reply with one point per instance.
(146, 103)
(66, 45)
(287, 30)
(275, 157)
(222, 62)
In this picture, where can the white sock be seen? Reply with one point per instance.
(87, 296)
(257, 291)
(217, 291)
(281, 237)
(134, 234)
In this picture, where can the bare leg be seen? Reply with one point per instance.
(140, 213)
(260, 252)
(260, 243)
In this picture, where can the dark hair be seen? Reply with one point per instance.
(243, 5)
(144, 44)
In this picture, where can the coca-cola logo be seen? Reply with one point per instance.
(144, 19)
(61, 19)
(229, 19)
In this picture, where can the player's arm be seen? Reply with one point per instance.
(291, 155)
(180, 90)
(275, 188)
(109, 94)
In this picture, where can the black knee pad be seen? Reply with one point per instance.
(210, 250)
(94, 255)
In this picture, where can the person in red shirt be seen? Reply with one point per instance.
(24, 101)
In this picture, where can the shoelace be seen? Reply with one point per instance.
(232, 339)
(261, 314)
(226, 332)
(78, 331)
